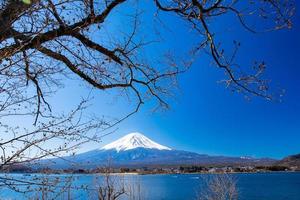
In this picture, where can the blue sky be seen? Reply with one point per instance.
(206, 117)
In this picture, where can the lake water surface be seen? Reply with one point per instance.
(252, 186)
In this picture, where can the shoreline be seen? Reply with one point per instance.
(142, 174)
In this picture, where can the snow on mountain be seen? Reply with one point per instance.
(246, 157)
(135, 149)
(133, 141)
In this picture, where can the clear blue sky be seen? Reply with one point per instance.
(205, 117)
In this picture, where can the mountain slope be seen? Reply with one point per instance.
(291, 161)
(137, 150)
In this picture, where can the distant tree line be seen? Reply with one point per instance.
(154, 170)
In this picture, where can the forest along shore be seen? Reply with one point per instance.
(159, 170)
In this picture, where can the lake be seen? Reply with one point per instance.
(251, 186)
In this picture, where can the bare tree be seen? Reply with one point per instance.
(111, 186)
(276, 14)
(43, 38)
(41, 186)
(219, 187)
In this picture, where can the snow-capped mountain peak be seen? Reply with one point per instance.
(132, 141)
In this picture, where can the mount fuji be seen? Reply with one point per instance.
(132, 141)
(137, 150)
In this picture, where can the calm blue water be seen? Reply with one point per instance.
(262, 186)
